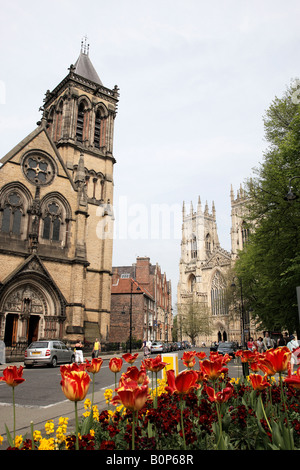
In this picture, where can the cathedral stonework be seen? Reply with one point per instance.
(56, 264)
(205, 274)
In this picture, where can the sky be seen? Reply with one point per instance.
(195, 80)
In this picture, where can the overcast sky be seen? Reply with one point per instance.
(195, 79)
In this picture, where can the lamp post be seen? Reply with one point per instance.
(290, 195)
(132, 281)
(243, 322)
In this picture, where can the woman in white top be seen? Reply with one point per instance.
(292, 345)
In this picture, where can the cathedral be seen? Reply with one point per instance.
(55, 191)
(205, 273)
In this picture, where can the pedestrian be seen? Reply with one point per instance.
(293, 345)
(96, 348)
(281, 341)
(260, 345)
(251, 345)
(267, 341)
(78, 352)
(286, 338)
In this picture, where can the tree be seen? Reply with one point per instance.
(193, 320)
(269, 265)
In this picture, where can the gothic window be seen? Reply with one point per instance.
(245, 233)
(55, 217)
(80, 127)
(38, 168)
(12, 213)
(218, 300)
(100, 128)
(192, 283)
(208, 243)
(194, 247)
(52, 222)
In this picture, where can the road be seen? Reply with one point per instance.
(40, 397)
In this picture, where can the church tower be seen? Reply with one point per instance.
(56, 194)
(202, 269)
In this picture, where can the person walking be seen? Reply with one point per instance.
(79, 352)
(293, 346)
(267, 341)
(96, 348)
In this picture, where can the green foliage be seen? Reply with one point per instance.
(269, 265)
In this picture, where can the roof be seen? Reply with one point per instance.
(84, 67)
(123, 286)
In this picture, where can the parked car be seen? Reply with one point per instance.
(179, 345)
(48, 352)
(228, 347)
(158, 347)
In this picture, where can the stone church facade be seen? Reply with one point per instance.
(205, 273)
(56, 188)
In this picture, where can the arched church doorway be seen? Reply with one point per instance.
(11, 329)
(33, 328)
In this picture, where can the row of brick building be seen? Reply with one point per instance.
(141, 300)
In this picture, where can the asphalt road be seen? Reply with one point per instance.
(40, 397)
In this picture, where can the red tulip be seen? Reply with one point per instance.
(183, 383)
(212, 369)
(131, 395)
(294, 380)
(75, 384)
(220, 397)
(95, 366)
(129, 358)
(154, 365)
(201, 355)
(12, 376)
(188, 358)
(115, 364)
(136, 375)
(275, 360)
(258, 382)
(246, 355)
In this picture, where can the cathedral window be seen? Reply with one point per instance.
(218, 300)
(194, 248)
(245, 233)
(208, 243)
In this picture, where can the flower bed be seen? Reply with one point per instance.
(199, 409)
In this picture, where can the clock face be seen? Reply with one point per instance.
(38, 169)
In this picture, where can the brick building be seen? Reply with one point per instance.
(55, 192)
(156, 321)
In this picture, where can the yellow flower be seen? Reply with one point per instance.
(47, 444)
(49, 427)
(37, 435)
(18, 441)
(1, 440)
(108, 394)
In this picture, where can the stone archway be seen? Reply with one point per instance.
(32, 311)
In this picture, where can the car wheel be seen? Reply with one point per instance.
(54, 362)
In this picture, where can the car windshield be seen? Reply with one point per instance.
(39, 344)
(226, 345)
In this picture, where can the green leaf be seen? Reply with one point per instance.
(9, 438)
(87, 424)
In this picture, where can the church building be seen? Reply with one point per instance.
(205, 274)
(56, 187)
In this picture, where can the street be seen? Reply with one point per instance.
(40, 397)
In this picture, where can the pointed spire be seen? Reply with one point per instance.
(83, 65)
(80, 172)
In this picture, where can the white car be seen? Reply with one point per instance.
(158, 347)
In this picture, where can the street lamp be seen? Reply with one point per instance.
(290, 195)
(132, 281)
(243, 323)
